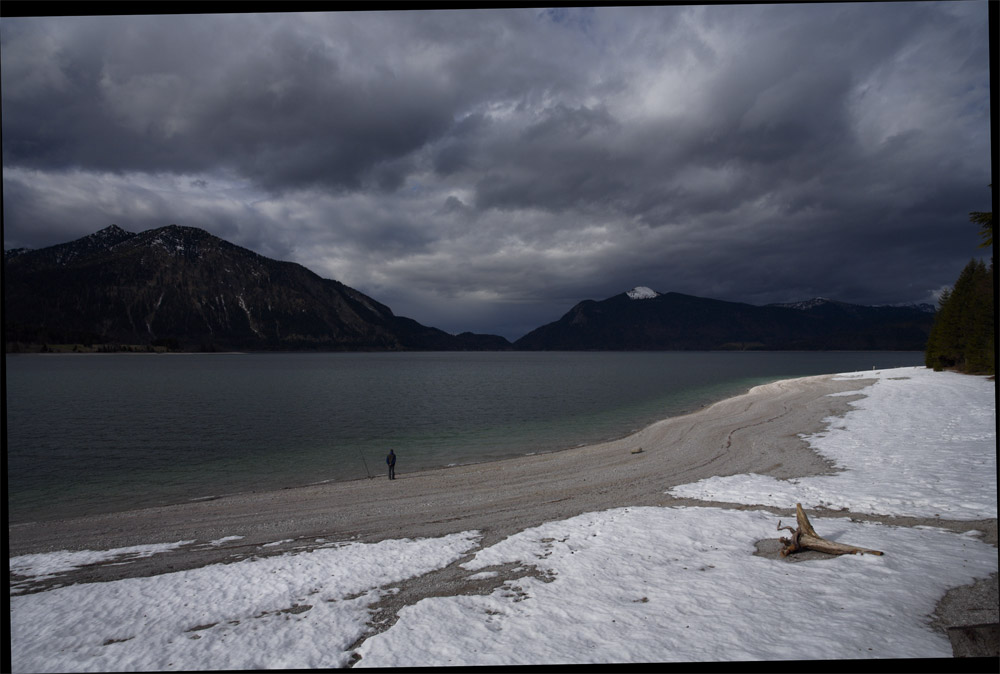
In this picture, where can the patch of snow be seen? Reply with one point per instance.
(634, 584)
(50, 564)
(253, 325)
(805, 304)
(920, 444)
(642, 293)
(483, 575)
(651, 584)
(152, 315)
(291, 611)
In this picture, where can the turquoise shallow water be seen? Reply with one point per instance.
(100, 433)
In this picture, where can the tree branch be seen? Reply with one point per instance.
(805, 538)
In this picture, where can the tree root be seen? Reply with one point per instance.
(804, 537)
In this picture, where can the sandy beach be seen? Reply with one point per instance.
(756, 432)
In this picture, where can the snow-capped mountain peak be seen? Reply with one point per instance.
(642, 293)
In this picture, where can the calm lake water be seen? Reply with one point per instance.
(89, 434)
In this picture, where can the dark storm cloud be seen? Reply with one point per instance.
(487, 169)
(338, 100)
(176, 94)
(777, 109)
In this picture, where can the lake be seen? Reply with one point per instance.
(98, 433)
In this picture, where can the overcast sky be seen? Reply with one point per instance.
(485, 170)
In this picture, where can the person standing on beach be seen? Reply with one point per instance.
(391, 462)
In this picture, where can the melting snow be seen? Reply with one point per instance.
(895, 462)
(639, 584)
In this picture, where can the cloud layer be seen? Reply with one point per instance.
(486, 169)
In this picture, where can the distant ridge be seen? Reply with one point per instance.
(820, 301)
(643, 319)
(184, 288)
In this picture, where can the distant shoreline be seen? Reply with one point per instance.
(130, 353)
(141, 350)
(106, 350)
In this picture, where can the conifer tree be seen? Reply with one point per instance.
(963, 336)
(985, 221)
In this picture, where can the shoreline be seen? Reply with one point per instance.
(620, 435)
(760, 431)
(40, 499)
(757, 431)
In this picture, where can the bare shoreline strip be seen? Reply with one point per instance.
(757, 431)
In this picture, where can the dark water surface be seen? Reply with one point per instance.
(89, 434)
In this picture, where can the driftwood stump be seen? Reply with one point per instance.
(805, 538)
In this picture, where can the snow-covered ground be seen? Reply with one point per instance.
(922, 444)
(635, 584)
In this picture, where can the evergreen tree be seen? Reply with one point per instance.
(936, 354)
(985, 221)
(963, 334)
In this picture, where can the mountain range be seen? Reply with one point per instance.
(643, 319)
(183, 288)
